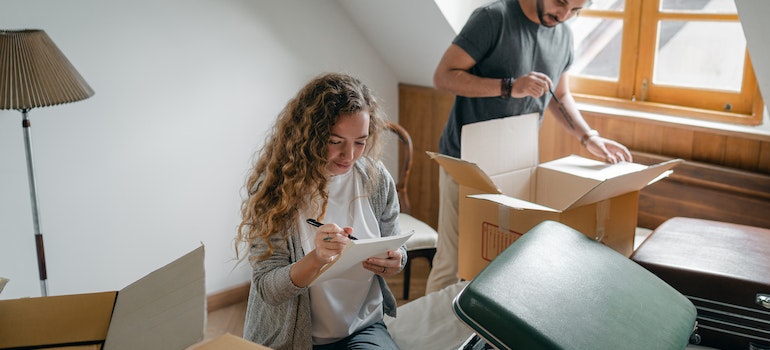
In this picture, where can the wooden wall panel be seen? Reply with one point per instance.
(423, 113)
(648, 138)
(558, 143)
(708, 147)
(621, 130)
(705, 191)
(742, 153)
(763, 165)
(676, 142)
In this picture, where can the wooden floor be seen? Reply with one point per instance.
(229, 318)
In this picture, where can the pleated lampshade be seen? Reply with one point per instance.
(35, 73)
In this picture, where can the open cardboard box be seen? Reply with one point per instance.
(504, 192)
(163, 310)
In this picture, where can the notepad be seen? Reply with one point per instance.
(348, 265)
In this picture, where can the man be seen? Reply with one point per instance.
(503, 63)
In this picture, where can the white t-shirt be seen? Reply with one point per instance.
(339, 306)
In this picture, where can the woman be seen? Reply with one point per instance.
(320, 162)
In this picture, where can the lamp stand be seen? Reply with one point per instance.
(33, 199)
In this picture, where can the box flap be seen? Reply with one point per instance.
(164, 310)
(517, 184)
(621, 184)
(229, 342)
(513, 203)
(563, 181)
(502, 145)
(465, 173)
(559, 185)
(590, 168)
(64, 319)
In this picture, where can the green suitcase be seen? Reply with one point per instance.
(555, 288)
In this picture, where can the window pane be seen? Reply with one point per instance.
(700, 55)
(613, 5)
(700, 6)
(597, 47)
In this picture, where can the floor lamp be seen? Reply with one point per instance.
(34, 73)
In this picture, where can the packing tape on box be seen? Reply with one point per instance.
(602, 216)
(503, 215)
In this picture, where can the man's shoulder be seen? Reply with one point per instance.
(506, 12)
(501, 7)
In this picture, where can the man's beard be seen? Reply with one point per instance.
(541, 15)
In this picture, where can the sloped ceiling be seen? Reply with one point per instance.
(410, 35)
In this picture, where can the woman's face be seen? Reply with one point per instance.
(347, 142)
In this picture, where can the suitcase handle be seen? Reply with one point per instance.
(763, 300)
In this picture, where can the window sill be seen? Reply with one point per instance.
(760, 133)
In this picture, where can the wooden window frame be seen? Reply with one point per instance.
(643, 16)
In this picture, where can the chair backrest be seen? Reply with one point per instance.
(404, 164)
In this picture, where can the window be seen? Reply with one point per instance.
(680, 57)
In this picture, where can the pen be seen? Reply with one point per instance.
(316, 223)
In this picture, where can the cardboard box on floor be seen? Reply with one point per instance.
(163, 310)
(504, 192)
(228, 341)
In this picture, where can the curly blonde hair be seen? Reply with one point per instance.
(290, 174)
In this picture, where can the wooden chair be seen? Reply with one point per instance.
(423, 242)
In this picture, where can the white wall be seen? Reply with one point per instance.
(409, 35)
(154, 162)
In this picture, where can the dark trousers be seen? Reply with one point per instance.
(375, 336)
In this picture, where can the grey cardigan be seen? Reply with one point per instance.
(278, 312)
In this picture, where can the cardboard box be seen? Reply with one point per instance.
(228, 341)
(504, 192)
(164, 310)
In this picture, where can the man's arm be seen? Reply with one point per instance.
(452, 75)
(563, 107)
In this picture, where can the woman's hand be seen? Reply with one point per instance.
(385, 267)
(329, 240)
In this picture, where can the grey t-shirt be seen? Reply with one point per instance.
(505, 43)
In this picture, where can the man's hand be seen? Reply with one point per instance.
(609, 150)
(534, 84)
